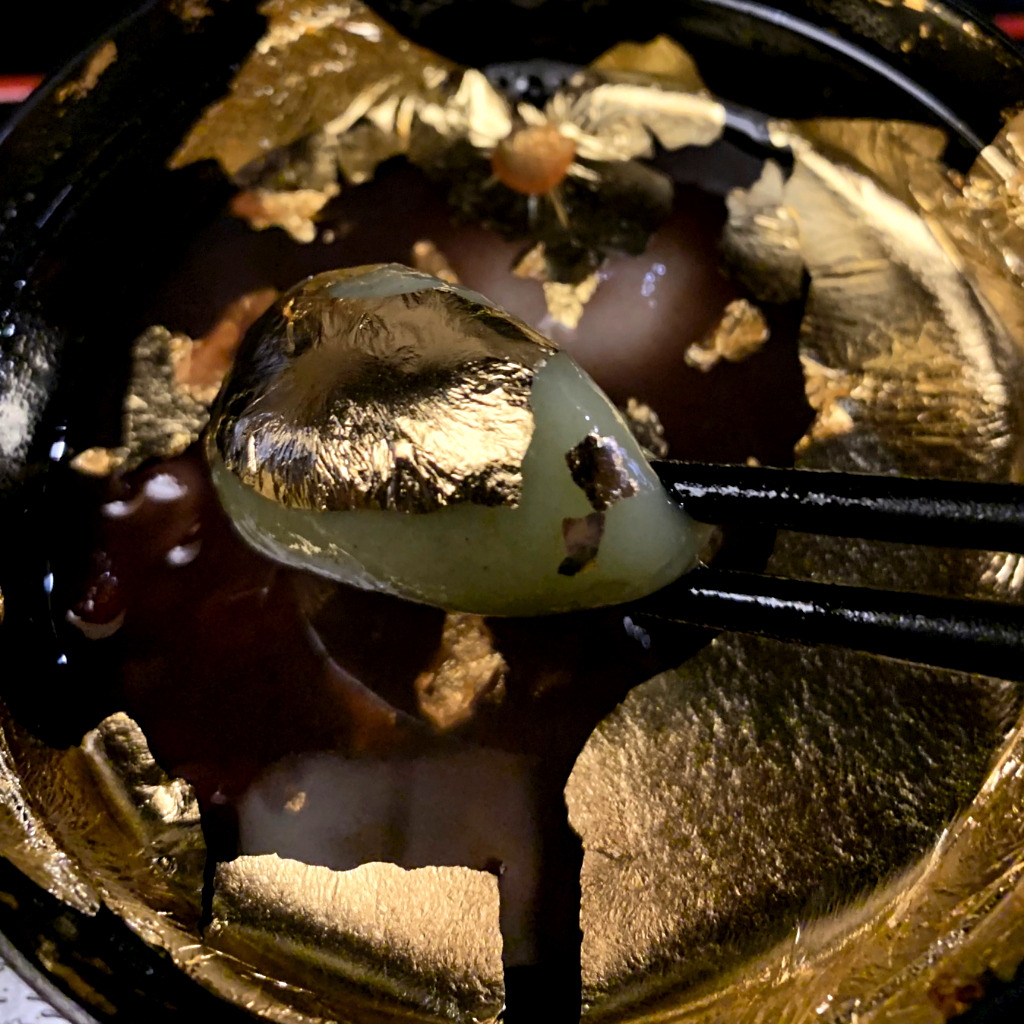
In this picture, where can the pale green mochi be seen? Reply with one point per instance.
(494, 561)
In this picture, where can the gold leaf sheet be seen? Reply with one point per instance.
(954, 917)
(355, 400)
(466, 673)
(133, 832)
(760, 241)
(27, 842)
(729, 804)
(325, 64)
(902, 323)
(719, 824)
(425, 941)
(109, 827)
(662, 57)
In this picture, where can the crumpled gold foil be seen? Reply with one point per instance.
(133, 832)
(333, 90)
(321, 66)
(330, 90)
(760, 242)
(26, 841)
(661, 57)
(604, 198)
(425, 941)
(912, 368)
(409, 402)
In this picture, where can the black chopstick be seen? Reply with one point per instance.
(946, 513)
(985, 637)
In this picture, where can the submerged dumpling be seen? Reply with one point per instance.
(390, 430)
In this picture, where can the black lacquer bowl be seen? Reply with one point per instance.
(91, 221)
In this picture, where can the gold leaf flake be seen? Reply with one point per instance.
(646, 426)
(566, 302)
(99, 462)
(466, 672)
(567, 284)
(293, 211)
(826, 388)
(616, 119)
(98, 62)
(740, 333)
(662, 57)
(161, 418)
